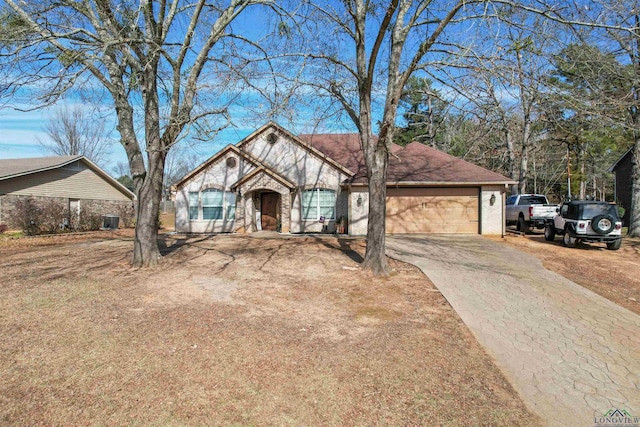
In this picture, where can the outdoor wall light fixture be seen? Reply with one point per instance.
(359, 200)
(492, 200)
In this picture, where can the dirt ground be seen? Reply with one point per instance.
(612, 274)
(234, 330)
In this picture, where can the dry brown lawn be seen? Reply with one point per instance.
(234, 330)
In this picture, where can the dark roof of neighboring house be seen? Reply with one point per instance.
(615, 165)
(414, 163)
(15, 168)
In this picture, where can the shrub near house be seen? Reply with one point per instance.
(49, 216)
(55, 194)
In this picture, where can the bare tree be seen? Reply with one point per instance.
(146, 57)
(367, 50)
(615, 27)
(72, 133)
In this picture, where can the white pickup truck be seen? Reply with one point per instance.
(529, 210)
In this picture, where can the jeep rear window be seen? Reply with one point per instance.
(532, 200)
(591, 210)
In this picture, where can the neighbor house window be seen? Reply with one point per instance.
(212, 204)
(193, 205)
(318, 202)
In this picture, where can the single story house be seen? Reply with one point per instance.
(623, 181)
(74, 182)
(274, 180)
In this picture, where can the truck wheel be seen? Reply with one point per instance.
(568, 240)
(603, 224)
(549, 232)
(615, 245)
(523, 226)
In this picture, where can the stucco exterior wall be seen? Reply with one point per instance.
(297, 164)
(304, 168)
(491, 216)
(220, 176)
(358, 215)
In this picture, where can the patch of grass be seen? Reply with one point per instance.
(12, 235)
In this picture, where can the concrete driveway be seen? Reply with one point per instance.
(570, 353)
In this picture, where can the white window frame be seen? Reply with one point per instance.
(319, 208)
(228, 206)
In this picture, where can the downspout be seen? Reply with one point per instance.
(504, 210)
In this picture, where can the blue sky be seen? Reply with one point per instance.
(20, 131)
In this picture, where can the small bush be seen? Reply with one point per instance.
(54, 217)
(27, 216)
(88, 220)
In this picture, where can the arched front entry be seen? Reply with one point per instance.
(265, 201)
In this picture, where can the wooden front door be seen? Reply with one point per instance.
(269, 209)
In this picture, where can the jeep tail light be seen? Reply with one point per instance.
(582, 225)
(530, 211)
(618, 226)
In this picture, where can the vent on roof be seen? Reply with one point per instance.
(231, 162)
(272, 138)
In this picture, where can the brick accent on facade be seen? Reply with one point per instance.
(251, 188)
(125, 210)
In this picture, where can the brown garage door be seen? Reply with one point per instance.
(432, 210)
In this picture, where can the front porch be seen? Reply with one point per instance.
(264, 202)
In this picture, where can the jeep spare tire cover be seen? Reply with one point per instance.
(603, 224)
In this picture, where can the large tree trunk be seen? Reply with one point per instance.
(145, 248)
(511, 158)
(524, 159)
(375, 258)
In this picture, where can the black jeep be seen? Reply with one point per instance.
(587, 221)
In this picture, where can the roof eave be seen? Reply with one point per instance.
(114, 182)
(44, 169)
(435, 183)
(262, 169)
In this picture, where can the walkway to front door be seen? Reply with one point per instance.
(269, 210)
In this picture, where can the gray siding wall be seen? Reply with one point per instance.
(75, 181)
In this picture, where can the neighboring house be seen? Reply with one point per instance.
(274, 180)
(73, 181)
(622, 170)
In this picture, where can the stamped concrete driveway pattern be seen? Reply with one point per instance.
(571, 354)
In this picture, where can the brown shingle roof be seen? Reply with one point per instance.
(420, 163)
(414, 163)
(344, 148)
(16, 167)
